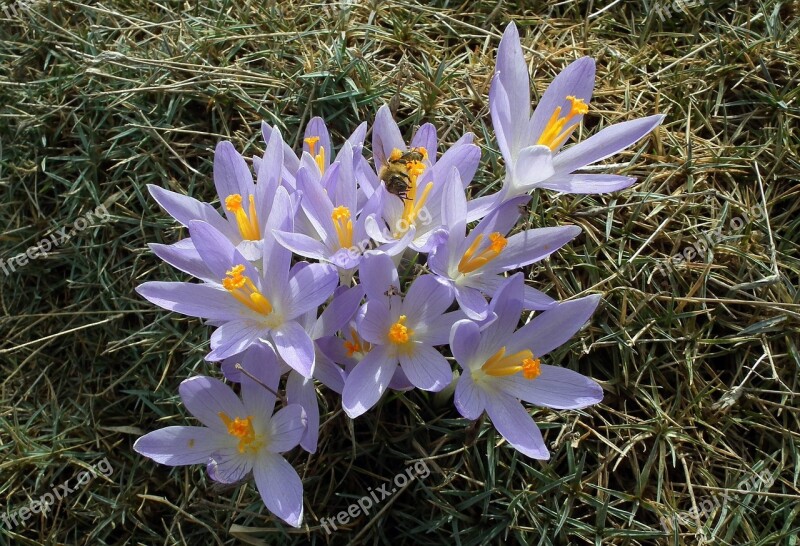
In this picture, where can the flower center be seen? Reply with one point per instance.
(243, 430)
(555, 133)
(319, 158)
(500, 365)
(248, 223)
(357, 345)
(415, 199)
(399, 333)
(343, 225)
(472, 261)
(242, 288)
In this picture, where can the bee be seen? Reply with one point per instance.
(395, 173)
(393, 291)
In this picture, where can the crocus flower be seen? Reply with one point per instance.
(237, 437)
(502, 367)
(299, 389)
(246, 304)
(531, 144)
(400, 331)
(337, 233)
(247, 204)
(475, 263)
(420, 210)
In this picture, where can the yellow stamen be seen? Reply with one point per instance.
(358, 345)
(242, 288)
(319, 158)
(343, 225)
(243, 430)
(470, 262)
(555, 133)
(246, 221)
(395, 155)
(399, 333)
(500, 365)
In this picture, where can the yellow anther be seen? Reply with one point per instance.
(246, 221)
(357, 345)
(471, 261)
(395, 155)
(242, 288)
(500, 365)
(343, 225)
(243, 430)
(556, 131)
(399, 333)
(319, 158)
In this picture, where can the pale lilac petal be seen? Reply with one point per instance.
(276, 259)
(327, 372)
(317, 206)
(316, 128)
(470, 400)
(291, 163)
(479, 207)
(258, 396)
(500, 112)
(514, 423)
(426, 368)
(206, 398)
(464, 341)
(532, 245)
(454, 204)
(302, 245)
(178, 446)
(385, 136)
(577, 80)
(367, 382)
(216, 250)
(295, 347)
(378, 274)
(280, 488)
(185, 209)
(302, 391)
(310, 287)
(513, 73)
(554, 327)
(534, 164)
(437, 330)
(231, 173)
(532, 298)
(606, 143)
(338, 313)
(428, 296)
(194, 300)
(556, 387)
(288, 425)
(472, 302)
(587, 183)
(183, 256)
(228, 465)
(465, 158)
(507, 306)
(374, 321)
(399, 381)
(233, 338)
(425, 137)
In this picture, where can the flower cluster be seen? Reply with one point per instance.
(299, 278)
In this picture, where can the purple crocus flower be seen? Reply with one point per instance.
(420, 210)
(502, 367)
(237, 437)
(401, 331)
(337, 234)
(531, 144)
(302, 390)
(246, 304)
(247, 204)
(475, 263)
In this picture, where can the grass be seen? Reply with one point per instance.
(699, 364)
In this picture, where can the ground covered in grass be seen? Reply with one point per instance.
(699, 359)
